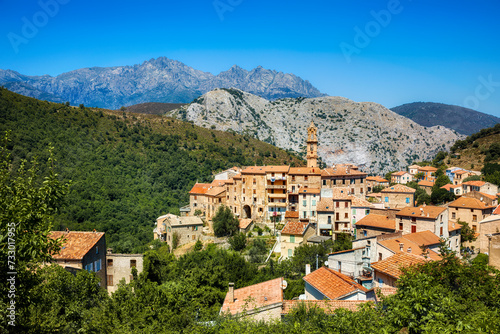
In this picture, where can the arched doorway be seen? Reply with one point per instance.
(247, 212)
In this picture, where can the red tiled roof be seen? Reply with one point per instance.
(379, 221)
(341, 170)
(76, 244)
(254, 296)
(469, 203)
(493, 197)
(497, 211)
(427, 169)
(254, 170)
(427, 211)
(460, 172)
(244, 222)
(215, 191)
(426, 183)
(292, 214)
(453, 226)
(277, 169)
(333, 284)
(474, 183)
(423, 238)
(200, 188)
(408, 247)
(398, 188)
(376, 179)
(295, 228)
(305, 171)
(328, 306)
(450, 186)
(393, 264)
(398, 174)
(359, 202)
(325, 205)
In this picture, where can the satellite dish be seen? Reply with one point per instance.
(284, 284)
(326, 263)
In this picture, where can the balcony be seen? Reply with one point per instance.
(275, 187)
(275, 178)
(276, 204)
(277, 195)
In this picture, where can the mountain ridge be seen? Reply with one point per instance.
(463, 120)
(364, 133)
(155, 80)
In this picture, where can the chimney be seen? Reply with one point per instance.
(231, 292)
(401, 246)
(409, 249)
(308, 269)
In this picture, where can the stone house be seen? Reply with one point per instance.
(427, 186)
(401, 177)
(398, 196)
(413, 169)
(456, 189)
(490, 200)
(197, 198)
(469, 210)
(457, 175)
(300, 179)
(373, 225)
(119, 267)
(390, 245)
(487, 227)
(293, 235)
(423, 218)
(245, 225)
(227, 174)
(388, 271)
(325, 283)
(345, 176)
(373, 181)
(215, 198)
(186, 229)
(481, 186)
(258, 302)
(352, 262)
(82, 251)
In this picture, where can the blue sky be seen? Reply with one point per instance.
(389, 52)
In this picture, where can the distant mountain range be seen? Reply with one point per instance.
(156, 80)
(463, 120)
(366, 134)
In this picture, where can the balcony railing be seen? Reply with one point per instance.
(276, 178)
(275, 187)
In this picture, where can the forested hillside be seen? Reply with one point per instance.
(126, 169)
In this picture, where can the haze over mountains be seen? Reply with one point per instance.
(463, 120)
(155, 80)
(366, 133)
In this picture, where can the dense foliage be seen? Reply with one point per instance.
(224, 222)
(127, 169)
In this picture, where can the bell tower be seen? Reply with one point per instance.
(312, 146)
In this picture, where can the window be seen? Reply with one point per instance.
(110, 280)
(339, 264)
(337, 204)
(255, 181)
(292, 239)
(361, 190)
(329, 219)
(343, 181)
(194, 237)
(400, 226)
(305, 178)
(305, 214)
(110, 262)
(386, 199)
(337, 216)
(361, 180)
(304, 196)
(474, 218)
(313, 213)
(346, 215)
(352, 191)
(441, 231)
(133, 263)
(367, 211)
(314, 202)
(407, 200)
(243, 190)
(365, 233)
(346, 204)
(290, 253)
(380, 256)
(414, 229)
(255, 191)
(98, 265)
(474, 228)
(97, 249)
(353, 211)
(324, 182)
(453, 215)
(195, 197)
(352, 181)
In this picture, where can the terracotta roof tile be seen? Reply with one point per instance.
(427, 169)
(325, 205)
(332, 284)
(200, 188)
(460, 172)
(398, 173)
(376, 179)
(450, 186)
(244, 222)
(380, 221)
(254, 170)
(426, 183)
(474, 183)
(277, 169)
(427, 211)
(497, 211)
(393, 264)
(295, 228)
(398, 188)
(469, 203)
(359, 202)
(423, 238)
(453, 226)
(76, 244)
(218, 183)
(254, 296)
(328, 306)
(492, 197)
(305, 171)
(408, 247)
(341, 170)
(292, 214)
(215, 191)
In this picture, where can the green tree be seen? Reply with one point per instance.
(472, 178)
(198, 246)
(238, 241)
(224, 222)
(419, 175)
(441, 180)
(467, 234)
(258, 251)
(442, 196)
